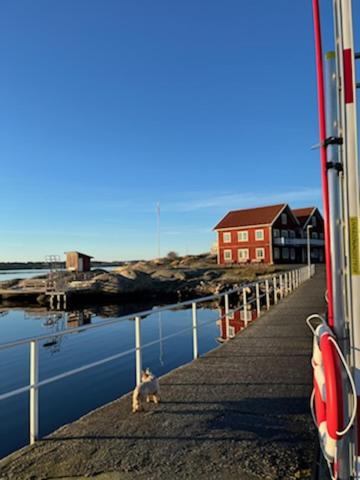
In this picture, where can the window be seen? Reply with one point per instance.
(259, 234)
(243, 254)
(322, 236)
(248, 315)
(314, 253)
(285, 253)
(276, 232)
(231, 332)
(291, 234)
(284, 233)
(260, 253)
(227, 237)
(227, 255)
(283, 219)
(313, 221)
(276, 253)
(314, 235)
(243, 236)
(292, 253)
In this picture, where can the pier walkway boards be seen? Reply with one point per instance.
(240, 412)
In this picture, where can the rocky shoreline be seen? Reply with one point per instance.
(170, 279)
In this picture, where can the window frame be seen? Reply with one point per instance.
(228, 260)
(245, 233)
(259, 230)
(228, 235)
(256, 253)
(243, 259)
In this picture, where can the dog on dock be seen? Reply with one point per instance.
(148, 390)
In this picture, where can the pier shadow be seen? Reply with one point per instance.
(251, 419)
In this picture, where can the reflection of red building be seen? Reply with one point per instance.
(236, 322)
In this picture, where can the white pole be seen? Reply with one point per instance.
(245, 307)
(227, 316)
(281, 287)
(34, 392)
(275, 290)
(138, 350)
(258, 310)
(308, 228)
(158, 228)
(267, 294)
(195, 336)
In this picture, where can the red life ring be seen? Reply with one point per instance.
(327, 391)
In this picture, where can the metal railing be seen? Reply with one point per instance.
(314, 242)
(276, 288)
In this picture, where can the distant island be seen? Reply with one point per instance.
(45, 265)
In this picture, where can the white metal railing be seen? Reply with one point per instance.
(298, 241)
(282, 284)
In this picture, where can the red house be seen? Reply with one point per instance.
(270, 234)
(78, 262)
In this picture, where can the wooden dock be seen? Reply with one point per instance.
(241, 412)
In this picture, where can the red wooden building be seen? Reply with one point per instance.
(78, 262)
(270, 234)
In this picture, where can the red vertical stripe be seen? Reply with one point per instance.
(323, 157)
(348, 76)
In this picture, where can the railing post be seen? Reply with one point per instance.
(281, 287)
(286, 284)
(275, 290)
(291, 279)
(245, 307)
(195, 333)
(34, 392)
(227, 316)
(258, 310)
(138, 349)
(267, 294)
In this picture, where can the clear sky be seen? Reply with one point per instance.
(107, 107)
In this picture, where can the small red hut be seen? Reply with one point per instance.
(78, 262)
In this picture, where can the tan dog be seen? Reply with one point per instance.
(148, 390)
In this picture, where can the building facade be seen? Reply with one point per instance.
(270, 234)
(78, 262)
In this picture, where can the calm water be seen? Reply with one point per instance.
(12, 274)
(68, 399)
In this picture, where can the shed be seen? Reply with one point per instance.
(78, 262)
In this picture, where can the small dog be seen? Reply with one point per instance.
(148, 390)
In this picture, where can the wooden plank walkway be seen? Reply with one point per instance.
(239, 412)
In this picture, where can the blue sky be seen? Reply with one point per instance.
(107, 107)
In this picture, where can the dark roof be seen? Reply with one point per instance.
(80, 254)
(302, 214)
(251, 216)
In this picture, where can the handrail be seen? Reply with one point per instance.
(293, 279)
(130, 316)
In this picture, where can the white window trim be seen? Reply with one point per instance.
(246, 235)
(261, 249)
(261, 231)
(243, 259)
(231, 331)
(227, 260)
(225, 234)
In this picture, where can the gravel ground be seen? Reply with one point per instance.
(240, 412)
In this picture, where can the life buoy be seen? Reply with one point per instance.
(327, 392)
